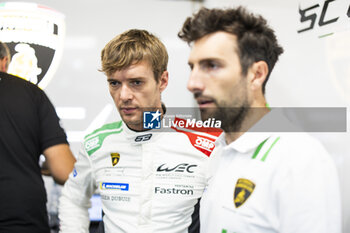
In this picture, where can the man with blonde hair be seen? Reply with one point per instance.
(149, 181)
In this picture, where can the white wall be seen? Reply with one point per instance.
(313, 71)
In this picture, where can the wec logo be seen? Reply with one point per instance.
(204, 143)
(182, 167)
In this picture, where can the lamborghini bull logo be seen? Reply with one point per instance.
(244, 188)
(34, 35)
(115, 158)
(24, 63)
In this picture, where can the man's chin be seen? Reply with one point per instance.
(131, 119)
(135, 125)
(207, 113)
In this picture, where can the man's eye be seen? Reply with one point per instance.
(209, 65)
(114, 83)
(212, 65)
(136, 83)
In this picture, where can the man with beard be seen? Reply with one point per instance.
(149, 181)
(258, 182)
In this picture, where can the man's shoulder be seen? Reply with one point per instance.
(201, 139)
(93, 141)
(302, 147)
(300, 140)
(106, 128)
(16, 80)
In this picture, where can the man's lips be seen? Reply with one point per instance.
(128, 110)
(205, 102)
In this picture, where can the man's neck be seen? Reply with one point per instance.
(139, 127)
(252, 117)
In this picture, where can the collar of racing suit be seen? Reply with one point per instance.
(140, 137)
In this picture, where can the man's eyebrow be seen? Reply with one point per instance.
(140, 78)
(129, 79)
(205, 60)
(209, 59)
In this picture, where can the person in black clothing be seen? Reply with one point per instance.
(29, 127)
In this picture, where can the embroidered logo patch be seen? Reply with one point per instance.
(115, 158)
(143, 138)
(117, 186)
(244, 188)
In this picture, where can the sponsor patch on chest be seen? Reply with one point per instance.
(243, 189)
(115, 186)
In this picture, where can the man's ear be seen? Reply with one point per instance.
(163, 81)
(258, 73)
(3, 64)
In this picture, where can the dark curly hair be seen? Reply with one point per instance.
(255, 39)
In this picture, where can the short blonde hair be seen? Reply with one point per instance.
(131, 47)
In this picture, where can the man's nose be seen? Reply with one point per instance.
(195, 82)
(125, 93)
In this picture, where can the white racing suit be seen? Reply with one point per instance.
(148, 181)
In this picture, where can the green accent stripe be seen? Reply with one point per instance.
(224, 231)
(325, 35)
(267, 152)
(114, 125)
(98, 141)
(258, 149)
